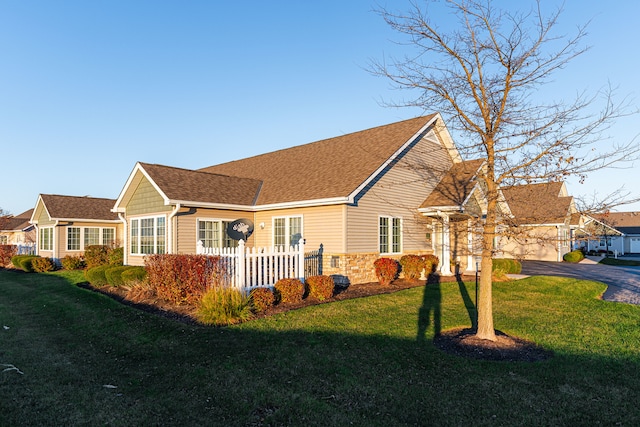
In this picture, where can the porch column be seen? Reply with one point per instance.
(470, 266)
(445, 259)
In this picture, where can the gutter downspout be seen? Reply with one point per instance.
(171, 228)
(125, 235)
(54, 237)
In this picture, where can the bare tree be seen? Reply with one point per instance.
(483, 77)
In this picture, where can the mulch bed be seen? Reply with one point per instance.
(460, 342)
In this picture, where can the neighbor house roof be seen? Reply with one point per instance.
(17, 223)
(326, 169)
(455, 187)
(78, 208)
(538, 203)
(626, 222)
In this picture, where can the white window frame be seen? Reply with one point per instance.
(82, 236)
(222, 240)
(136, 242)
(288, 236)
(393, 245)
(41, 240)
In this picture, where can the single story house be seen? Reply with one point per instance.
(618, 232)
(539, 222)
(16, 230)
(66, 225)
(357, 197)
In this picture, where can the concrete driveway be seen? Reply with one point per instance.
(623, 282)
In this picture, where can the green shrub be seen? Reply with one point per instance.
(24, 262)
(261, 299)
(41, 265)
(506, 266)
(96, 255)
(430, 263)
(289, 290)
(113, 274)
(386, 270)
(573, 256)
(320, 287)
(223, 306)
(97, 275)
(115, 256)
(134, 274)
(412, 266)
(71, 262)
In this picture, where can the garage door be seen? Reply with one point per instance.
(634, 247)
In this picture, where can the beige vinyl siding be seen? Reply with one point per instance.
(537, 243)
(398, 193)
(320, 225)
(187, 219)
(146, 200)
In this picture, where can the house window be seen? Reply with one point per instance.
(287, 231)
(78, 238)
(213, 234)
(73, 238)
(148, 235)
(46, 239)
(390, 235)
(4, 240)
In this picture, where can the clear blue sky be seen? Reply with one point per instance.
(87, 88)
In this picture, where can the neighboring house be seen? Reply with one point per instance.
(539, 223)
(355, 196)
(16, 230)
(618, 232)
(66, 225)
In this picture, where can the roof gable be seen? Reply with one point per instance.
(77, 208)
(328, 169)
(626, 222)
(18, 222)
(455, 187)
(543, 203)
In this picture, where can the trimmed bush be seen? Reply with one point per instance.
(261, 299)
(71, 262)
(386, 270)
(96, 255)
(223, 306)
(320, 287)
(183, 278)
(6, 253)
(573, 256)
(41, 265)
(97, 275)
(114, 274)
(134, 274)
(430, 263)
(506, 266)
(24, 262)
(115, 256)
(412, 266)
(289, 290)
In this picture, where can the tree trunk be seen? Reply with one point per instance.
(486, 330)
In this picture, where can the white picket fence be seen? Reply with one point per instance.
(250, 268)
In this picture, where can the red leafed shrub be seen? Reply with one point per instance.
(289, 290)
(6, 252)
(320, 287)
(412, 266)
(261, 299)
(182, 278)
(386, 270)
(430, 263)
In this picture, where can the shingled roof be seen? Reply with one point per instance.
(538, 203)
(625, 222)
(17, 222)
(325, 169)
(78, 208)
(455, 187)
(195, 186)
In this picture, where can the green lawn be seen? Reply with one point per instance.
(88, 360)
(623, 262)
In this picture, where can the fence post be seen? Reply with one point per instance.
(199, 247)
(240, 267)
(300, 266)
